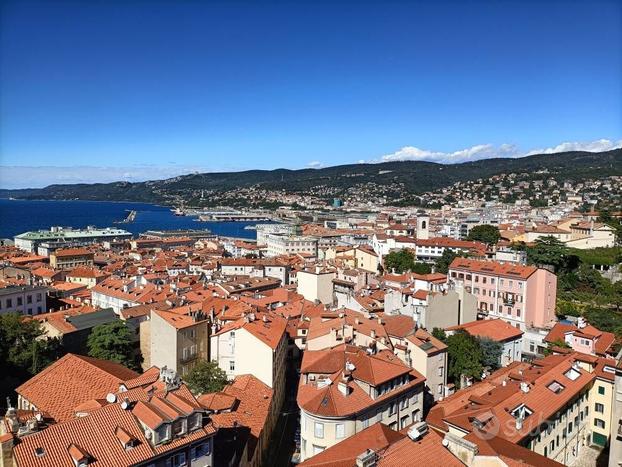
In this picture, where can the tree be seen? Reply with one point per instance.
(113, 341)
(24, 351)
(491, 352)
(488, 234)
(23, 344)
(465, 357)
(206, 377)
(547, 251)
(439, 333)
(421, 268)
(400, 261)
(442, 263)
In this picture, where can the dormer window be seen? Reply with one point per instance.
(179, 427)
(163, 433)
(79, 456)
(196, 420)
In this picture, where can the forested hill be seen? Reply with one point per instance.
(413, 177)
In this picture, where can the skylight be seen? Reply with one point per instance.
(556, 387)
(522, 411)
(572, 374)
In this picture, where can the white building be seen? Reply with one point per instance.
(283, 244)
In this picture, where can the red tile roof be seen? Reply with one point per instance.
(71, 381)
(492, 268)
(495, 329)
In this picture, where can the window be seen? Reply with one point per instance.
(552, 445)
(440, 371)
(29, 299)
(340, 431)
(231, 365)
(319, 430)
(440, 389)
(317, 449)
(178, 460)
(600, 408)
(20, 302)
(598, 423)
(365, 423)
(601, 390)
(392, 408)
(9, 302)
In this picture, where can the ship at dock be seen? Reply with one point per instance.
(233, 216)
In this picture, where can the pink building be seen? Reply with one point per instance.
(523, 296)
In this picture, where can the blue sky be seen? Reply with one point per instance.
(104, 90)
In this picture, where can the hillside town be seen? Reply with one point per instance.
(401, 336)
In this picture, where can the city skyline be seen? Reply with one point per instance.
(120, 91)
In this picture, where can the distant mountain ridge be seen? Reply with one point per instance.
(413, 177)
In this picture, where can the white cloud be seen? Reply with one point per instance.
(315, 165)
(593, 146)
(488, 151)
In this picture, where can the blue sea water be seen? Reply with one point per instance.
(18, 216)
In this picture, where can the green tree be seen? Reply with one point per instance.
(439, 333)
(113, 341)
(491, 352)
(485, 233)
(465, 357)
(421, 268)
(206, 377)
(616, 295)
(547, 251)
(442, 263)
(400, 261)
(24, 351)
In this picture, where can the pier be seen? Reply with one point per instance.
(130, 218)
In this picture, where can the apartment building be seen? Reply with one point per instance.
(119, 294)
(86, 276)
(380, 446)
(179, 338)
(23, 299)
(254, 344)
(361, 257)
(107, 415)
(345, 389)
(255, 268)
(284, 244)
(422, 351)
(245, 414)
(583, 337)
(524, 296)
(433, 248)
(555, 406)
(316, 284)
(70, 258)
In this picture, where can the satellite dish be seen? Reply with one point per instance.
(111, 398)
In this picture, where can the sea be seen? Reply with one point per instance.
(18, 216)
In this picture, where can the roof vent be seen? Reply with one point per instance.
(39, 452)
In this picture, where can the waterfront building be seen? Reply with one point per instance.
(29, 241)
